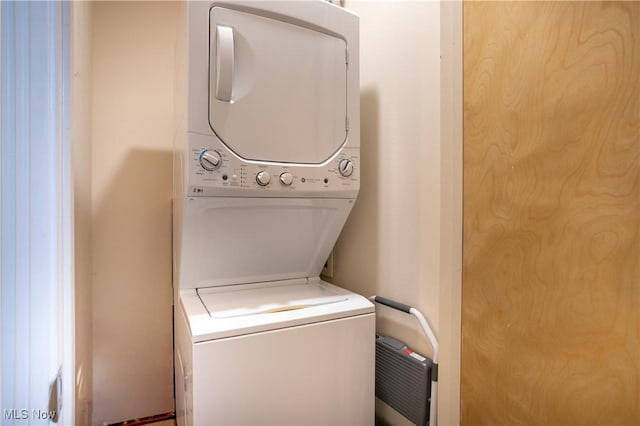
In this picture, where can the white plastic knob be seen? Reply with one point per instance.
(263, 178)
(345, 167)
(210, 160)
(286, 178)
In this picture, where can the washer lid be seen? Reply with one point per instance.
(217, 313)
(280, 297)
(277, 86)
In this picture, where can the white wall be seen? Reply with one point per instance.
(81, 158)
(132, 133)
(391, 245)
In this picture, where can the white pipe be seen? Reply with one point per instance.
(434, 404)
(428, 331)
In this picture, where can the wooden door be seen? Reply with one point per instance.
(551, 275)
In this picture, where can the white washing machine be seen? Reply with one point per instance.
(266, 171)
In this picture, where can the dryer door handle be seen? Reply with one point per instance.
(224, 63)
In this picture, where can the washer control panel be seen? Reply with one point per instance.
(213, 170)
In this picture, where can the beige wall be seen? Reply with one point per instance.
(132, 134)
(81, 158)
(392, 242)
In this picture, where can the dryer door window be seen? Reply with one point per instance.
(277, 90)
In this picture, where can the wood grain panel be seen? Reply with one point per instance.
(551, 275)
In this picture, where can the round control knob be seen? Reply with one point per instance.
(286, 178)
(210, 160)
(345, 167)
(263, 178)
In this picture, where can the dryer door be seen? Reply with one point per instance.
(277, 89)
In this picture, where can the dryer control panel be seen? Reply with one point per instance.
(213, 170)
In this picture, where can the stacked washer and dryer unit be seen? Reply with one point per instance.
(266, 171)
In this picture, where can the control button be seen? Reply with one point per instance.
(263, 178)
(286, 178)
(345, 167)
(210, 160)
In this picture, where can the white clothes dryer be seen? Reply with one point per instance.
(266, 171)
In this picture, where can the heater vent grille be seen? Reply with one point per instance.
(403, 379)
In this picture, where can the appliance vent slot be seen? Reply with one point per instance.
(403, 379)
